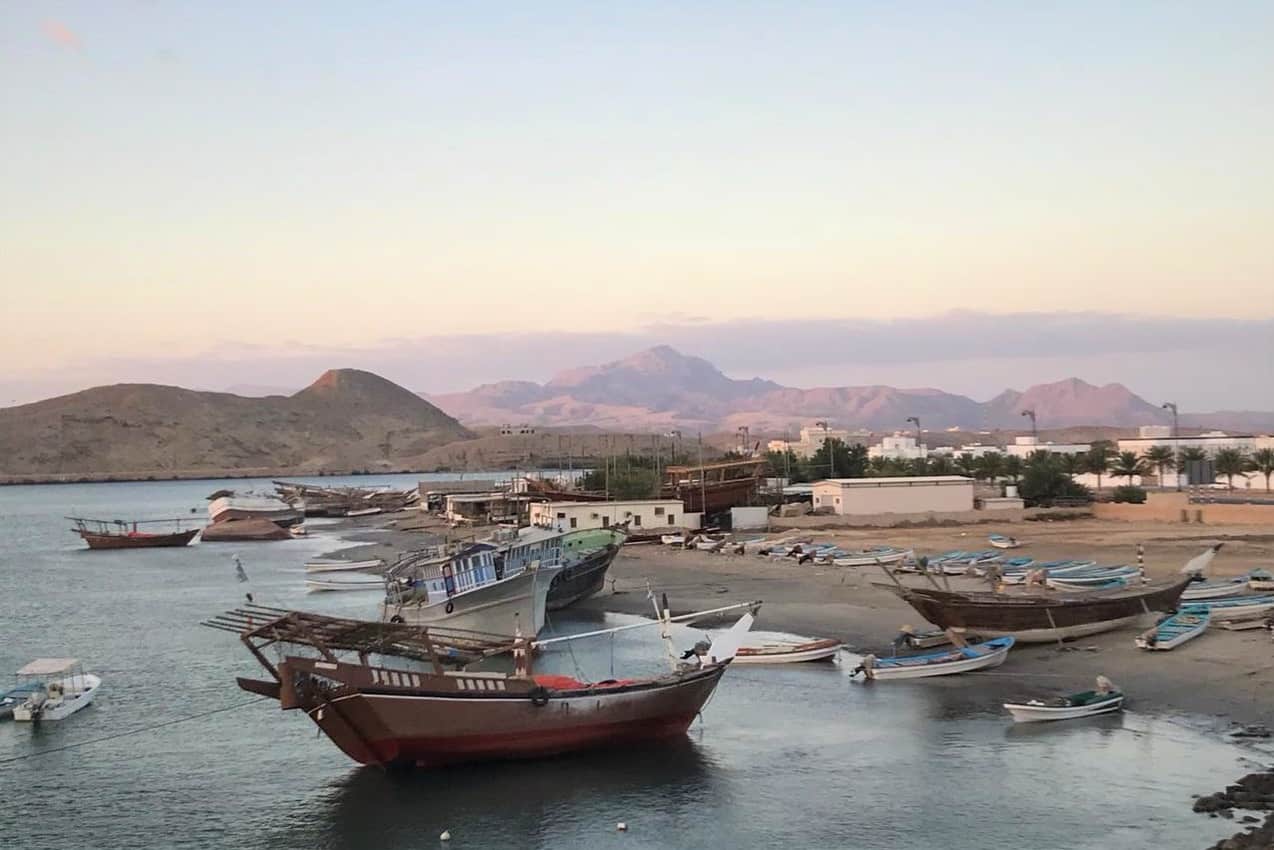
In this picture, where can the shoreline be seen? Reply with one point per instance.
(1225, 676)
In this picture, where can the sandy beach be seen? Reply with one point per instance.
(1227, 676)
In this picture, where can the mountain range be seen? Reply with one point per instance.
(346, 420)
(663, 388)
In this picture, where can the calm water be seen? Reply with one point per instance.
(798, 756)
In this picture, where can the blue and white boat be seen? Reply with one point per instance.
(1220, 589)
(964, 659)
(1002, 541)
(1237, 608)
(1187, 624)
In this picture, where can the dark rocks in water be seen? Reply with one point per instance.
(1254, 791)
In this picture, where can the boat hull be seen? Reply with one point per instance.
(1026, 713)
(229, 508)
(436, 729)
(137, 541)
(516, 604)
(821, 650)
(580, 580)
(82, 697)
(1038, 618)
(967, 664)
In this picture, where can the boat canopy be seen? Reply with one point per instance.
(49, 667)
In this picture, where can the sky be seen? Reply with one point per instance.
(233, 194)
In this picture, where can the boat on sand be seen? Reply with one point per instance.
(1105, 699)
(962, 659)
(336, 565)
(1172, 631)
(788, 652)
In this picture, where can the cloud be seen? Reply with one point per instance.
(60, 34)
(1203, 364)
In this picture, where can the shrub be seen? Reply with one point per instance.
(1128, 493)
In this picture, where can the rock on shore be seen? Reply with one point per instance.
(1253, 792)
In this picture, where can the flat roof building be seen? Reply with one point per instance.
(638, 513)
(903, 495)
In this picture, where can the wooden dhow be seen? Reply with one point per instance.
(125, 534)
(383, 694)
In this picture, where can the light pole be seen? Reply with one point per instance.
(827, 444)
(1035, 434)
(787, 457)
(746, 434)
(916, 419)
(1176, 439)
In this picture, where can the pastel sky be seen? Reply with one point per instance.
(186, 182)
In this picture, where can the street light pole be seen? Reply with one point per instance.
(1176, 438)
(916, 419)
(1035, 434)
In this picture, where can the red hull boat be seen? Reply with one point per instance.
(118, 534)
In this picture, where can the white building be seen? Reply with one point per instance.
(909, 495)
(1024, 446)
(1152, 431)
(812, 440)
(978, 450)
(1211, 442)
(900, 446)
(639, 513)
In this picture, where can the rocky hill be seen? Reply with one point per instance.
(661, 388)
(346, 420)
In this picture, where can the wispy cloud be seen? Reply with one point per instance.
(1203, 364)
(62, 35)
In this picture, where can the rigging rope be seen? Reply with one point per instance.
(77, 744)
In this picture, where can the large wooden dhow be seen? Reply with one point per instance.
(125, 534)
(383, 694)
(1042, 617)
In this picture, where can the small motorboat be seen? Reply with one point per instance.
(1001, 541)
(962, 659)
(362, 512)
(1216, 589)
(673, 539)
(1106, 699)
(788, 652)
(1260, 579)
(1238, 608)
(912, 639)
(316, 585)
(61, 688)
(336, 565)
(12, 698)
(1174, 630)
(872, 557)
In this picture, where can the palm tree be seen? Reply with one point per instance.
(876, 467)
(1097, 461)
(1128, 465)
(1230, 462)
(991, 465)
(919, 466)
(1161, 458)
(1263, 462)
(1013, 467)
(1071, 464)
(967, 464)
(940, 465)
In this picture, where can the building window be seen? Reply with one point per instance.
(561, 514)
(659, 511)
(572, 522)
(637, 520)
(672, 520)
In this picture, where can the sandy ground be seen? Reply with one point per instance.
(1228, 676)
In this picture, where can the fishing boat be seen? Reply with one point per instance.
(1238, 608)
(872, 557)
(125, 534)
(336, 585)
(912, 639)
(1174, 630)
(382, 694)
(673, 539)
(225, 508)
(1039, 617)
(788, 651)
(1089, 584)
(1000, 541)
(1260, 579)
(61, 688)
(468, 589)
(15, 696)
(245, 530)
(962, 659)
(336, 565)
(1216, 589)
(1106, 699)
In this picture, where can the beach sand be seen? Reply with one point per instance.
(1228, 676)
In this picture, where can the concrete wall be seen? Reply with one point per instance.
(749, 519)
(884, 497)
(1176, 507)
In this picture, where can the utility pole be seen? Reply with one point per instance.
(916, 419)
(1176, 439)
(787, 458)
(827, 444)
(1035, 435)
(703, 485)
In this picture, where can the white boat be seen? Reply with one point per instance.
(466, 591)
(788, 651)
(1238, 608)
(335, 565)
(66, 689)
(1216, 589)
(1185, 625)
(277, 511)
(318, 585)
(1072, 707)
(1000, 541)
(872, 557)
(963, 659)
(1259, 579)
(673, 539)
(362, 512)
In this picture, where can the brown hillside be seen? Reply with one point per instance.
(348, 419)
